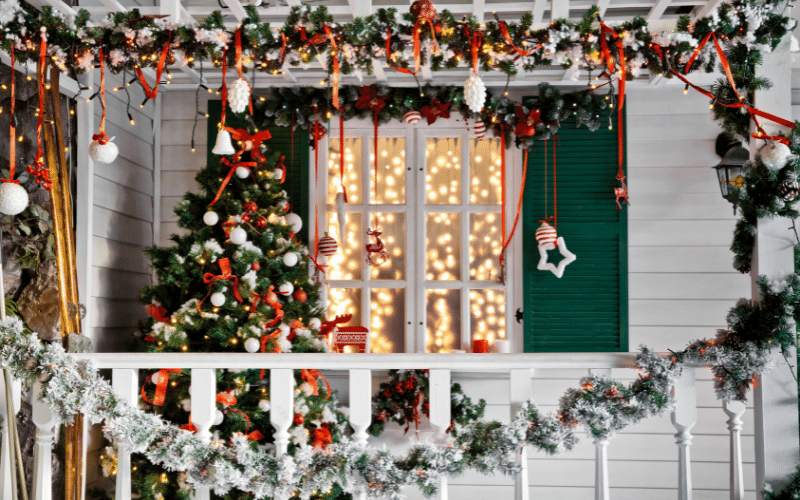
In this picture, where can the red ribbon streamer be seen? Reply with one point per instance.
(210, 279)
(12, 144)
(151, 94)
(102, 138)
(228, 400)
(317, 136)
(475, 44)
(610, 63)
(519, 206)
(417, 57)
(312, 376)
(239, 64)
(341, 155)
(266, 338)
(227, 179)
(504, 30)
(161, 386)
(335, 78)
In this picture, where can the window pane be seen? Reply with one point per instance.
(484, 247)
(443, 246)
(345, 301)
(443, 320)
(346, 263)
(393, 229)
(443, 171)
(352, 169)
(387, 320)
(391, 171)
(488, 312)
(484, 172)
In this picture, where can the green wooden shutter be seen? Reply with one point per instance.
(297, 172)
(587, 309)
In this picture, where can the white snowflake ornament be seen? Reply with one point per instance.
(475, 93)
(239, 95)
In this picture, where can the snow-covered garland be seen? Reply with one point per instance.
(602, 405)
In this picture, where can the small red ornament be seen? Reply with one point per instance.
(271, 299)
(369, 98)
(327, 245)
(256, 266)
(320, 132)
(246, 217)
(298, 419)
(261, 222)
(423, 8)
(250, 206)
(526, 123)
(300, 296)
(435, 110)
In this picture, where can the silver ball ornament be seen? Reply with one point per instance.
(103, 153)
(775, 155)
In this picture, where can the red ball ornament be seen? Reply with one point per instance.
(300, 296)
(328, 245)
(423, 8)
(250, 206)
(256, 266)
(298, 419)
(246, 217)
(271, 299)
(261, 222)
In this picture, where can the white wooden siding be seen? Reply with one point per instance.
(122, 218)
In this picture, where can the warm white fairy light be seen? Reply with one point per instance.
(488, 309)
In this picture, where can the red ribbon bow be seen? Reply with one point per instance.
(250, 143)
(227, 179)
(311, 377)
(253, 436)
(161, 386)
(157, 313)
(322, 438)
(228, 400)
(210, 279)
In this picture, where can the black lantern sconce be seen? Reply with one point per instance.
(729, 172)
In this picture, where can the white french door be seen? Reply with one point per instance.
(437, 204)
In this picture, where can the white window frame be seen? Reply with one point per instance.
(416, 209)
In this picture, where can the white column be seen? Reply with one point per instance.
(735, 410)
(45, 422)
(125, 383)
(683, 418)
(204, 410)
(520, 392)
(440, 412)
(7, 465)
(360, 410)
(281, 414)
(601, 490)
(775, 394)
(85, 208)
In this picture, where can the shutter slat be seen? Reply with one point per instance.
(586, 310)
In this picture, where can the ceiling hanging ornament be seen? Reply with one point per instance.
(223, 145)
(547, 235)
(474, 88)
(13, 197)
(376, 252)
(478, 129)
(239, 92)
(102, 149)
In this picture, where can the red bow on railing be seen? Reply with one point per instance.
(322, 438)
(227, 179)
(210, 279)
(311, 377)
(161, 386)
(189, 426)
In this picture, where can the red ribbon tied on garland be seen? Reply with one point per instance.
(322, 438)
(210, 279)
(504, 30)
(161, 386)
(335, 78)
(526, 123)
(227, 179)
(250, 143)
(435, 110)
(312, 376)
(158, 313)
(422, 12)
(151, 94)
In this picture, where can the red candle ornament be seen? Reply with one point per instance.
(480, 346)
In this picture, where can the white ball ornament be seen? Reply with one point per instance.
(242, 172)
(252, 345)
(314, 323)
(290, 259)
(13, 198)
(218, 417)
(210, 218)
(263, 405)
(286, 289)
(294, 220)
(285, 329)
(277, 174)
(186, 404)
(238, 236)
(775, 155)
(218, 299)
(103, 153)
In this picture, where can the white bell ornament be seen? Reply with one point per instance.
(223, 146)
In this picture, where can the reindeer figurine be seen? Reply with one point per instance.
(621, 192)
(376, 248)
(329, 326)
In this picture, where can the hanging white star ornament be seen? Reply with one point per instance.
(569, 258)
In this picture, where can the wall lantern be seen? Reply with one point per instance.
(729, 173)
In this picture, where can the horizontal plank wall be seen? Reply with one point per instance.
(123, 217)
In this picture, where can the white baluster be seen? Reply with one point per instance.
(520, 392)
(601, 485)
(125, 383)
(683, 418)
(281, 414)
(45, 422)
(204, 410)
(7, 465)
(735, 410)
(360, 409)
(439, 412)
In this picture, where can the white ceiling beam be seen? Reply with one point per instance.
(59, 5)
(236, 9)
(479, 9)
(377, 70)
(657, 10)
(602, 6)
(707, 8)
(360, 8)
(294, 3)
(538, 11)
(559, 9)
(114, 5)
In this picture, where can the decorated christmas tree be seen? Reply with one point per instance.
(237, 281)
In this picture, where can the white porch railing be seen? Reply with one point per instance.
(521, 369)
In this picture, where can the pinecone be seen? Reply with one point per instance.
(475, 93)
(788, 190)
(239, 95)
